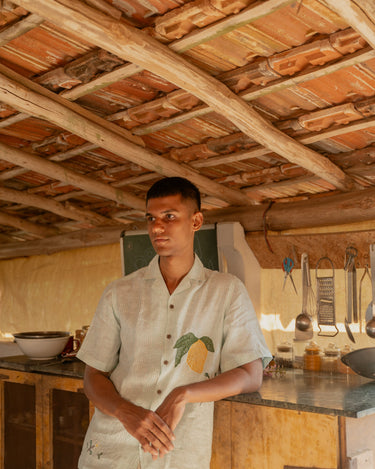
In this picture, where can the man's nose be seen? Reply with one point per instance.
(158, 226)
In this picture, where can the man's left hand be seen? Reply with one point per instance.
(172, 408)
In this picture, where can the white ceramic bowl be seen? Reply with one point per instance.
(41, 345)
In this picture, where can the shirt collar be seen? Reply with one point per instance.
(195, 273)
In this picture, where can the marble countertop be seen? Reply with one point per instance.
(348, 395)
(69, 367)
(337, 394)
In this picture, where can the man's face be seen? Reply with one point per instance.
(172, 222)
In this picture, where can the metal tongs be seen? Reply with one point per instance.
(351, 289)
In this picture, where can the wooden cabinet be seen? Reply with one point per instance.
(43, 420)
(253, 436)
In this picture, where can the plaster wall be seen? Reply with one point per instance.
(55, 292)
(61, 291)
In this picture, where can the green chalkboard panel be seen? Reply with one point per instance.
(137, 250)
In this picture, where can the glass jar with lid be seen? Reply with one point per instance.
(330, 359)
(284, 355)
(312, 357)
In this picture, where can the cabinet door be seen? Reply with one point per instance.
(21, 440)
(66, 418)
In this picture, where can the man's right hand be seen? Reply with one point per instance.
(147, 427)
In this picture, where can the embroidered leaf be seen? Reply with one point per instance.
(180, 353)
(208, 343)
(186, 340)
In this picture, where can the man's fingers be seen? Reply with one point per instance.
(159, 440)
(164, 428)
(148, 447)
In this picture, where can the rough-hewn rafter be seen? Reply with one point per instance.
(35, 100)
(20, 27)
(39, 231)
(131, 44)
(342, 209)
(68, 210)
(359, 14)
(55, 171)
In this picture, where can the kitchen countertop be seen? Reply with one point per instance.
(337, 394)
(348, 395)
(70, 367)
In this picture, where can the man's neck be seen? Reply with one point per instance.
(174, 270)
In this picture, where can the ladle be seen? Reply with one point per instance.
(370, 326)
(303, 320)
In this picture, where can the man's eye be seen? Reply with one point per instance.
(150, 219)
(170, 216)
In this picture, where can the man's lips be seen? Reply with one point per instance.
(160, 240)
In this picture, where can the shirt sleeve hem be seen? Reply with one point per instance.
(94, 363)
(243, 359)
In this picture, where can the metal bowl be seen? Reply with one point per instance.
(41, 345)
(361, 361)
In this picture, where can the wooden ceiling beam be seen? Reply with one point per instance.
(359, 14)
(201, 110)
(69, 211)
(228, 24)
(131, 44)
(63, 242)
(55, 171)
(199, 36)
(19, 28)
(321, 211)
(35, 229)
(307, 217)
(57, 157)
(255, 92)
(33, 99)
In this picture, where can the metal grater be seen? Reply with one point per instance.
(326, 300)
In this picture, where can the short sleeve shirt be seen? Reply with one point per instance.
(151, 341)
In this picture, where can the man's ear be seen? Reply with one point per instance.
(197, 220)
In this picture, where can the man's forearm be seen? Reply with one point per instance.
(101, 392)
(247, 378)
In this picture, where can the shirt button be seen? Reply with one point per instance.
(159, 391)
(171, 306)
(166, 362)
(169, 336)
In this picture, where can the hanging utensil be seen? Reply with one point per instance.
(366, 273)
(326, 313)
(370, 326)
(303, 327)
(288, 265)
(351, 289)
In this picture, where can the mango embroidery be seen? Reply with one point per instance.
(196, 349)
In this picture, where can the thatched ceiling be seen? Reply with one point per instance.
(258, 103)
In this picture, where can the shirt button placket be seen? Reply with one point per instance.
(171, 306)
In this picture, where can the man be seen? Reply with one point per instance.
(165, 342)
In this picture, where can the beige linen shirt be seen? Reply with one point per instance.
(151, 342)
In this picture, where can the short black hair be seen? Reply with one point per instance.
(174, 186)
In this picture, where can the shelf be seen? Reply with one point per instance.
(76, 441)
(21, 426)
